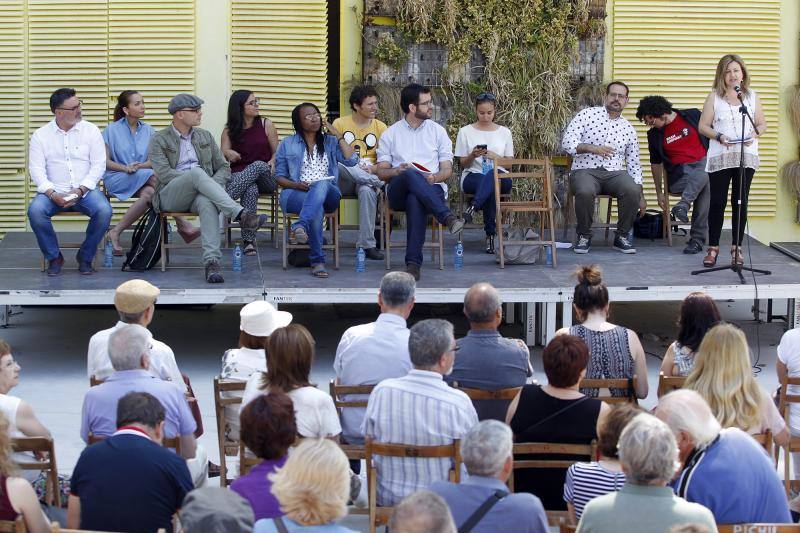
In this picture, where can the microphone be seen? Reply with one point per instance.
(738, 91)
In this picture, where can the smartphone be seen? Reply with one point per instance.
(70, 197)
(481, 147)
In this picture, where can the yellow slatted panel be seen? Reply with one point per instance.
(12, 116)
(671, 48)
(279, 50)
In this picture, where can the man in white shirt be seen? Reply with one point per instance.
(135, 301)
(370, 353)
(415, 158)
(605, 152)
(67, 158)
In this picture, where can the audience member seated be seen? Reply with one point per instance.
(249, 143)
(418, 409)
(556, 412)
(215, 510)
(369, 353)
(17, 496)
(66, 160)
(477, 146)
(486, 451)
(192, 174)
(290, 353)
(306, 167)
(22, 421)
(127, 349)
(312, 489)
(615, 352)
(645, 504)
(422, 510)
(697, 315)
(589, 480)
(129, 172)
(723, 376)
(129, 482)
(257, 321)
(363, 131)
(788, 365)
(135, 301)
(487, 360)
(268, 430)
(722, 469)
(415, 159)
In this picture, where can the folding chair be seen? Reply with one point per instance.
(67, 245)
(765, 439)
(436, 244)
(229, 225)
(793, 446)
(353, 452)
(605, 224)
(45, 448)
(379, 516)
(563, 527)
(604, 387)
(225, 394)
(333, 243)
(669, 383)
(669, 224)
(480, 397)
(166, 246)
(246, 460)
(94, 381)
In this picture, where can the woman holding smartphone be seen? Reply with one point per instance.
(477, 145)
(722, 123)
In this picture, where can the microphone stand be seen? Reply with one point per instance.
(735, 233)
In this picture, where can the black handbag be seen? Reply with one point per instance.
(649, 226)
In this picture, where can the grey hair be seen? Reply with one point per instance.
(481, 302)
(428, 340)
(486, 447)
(422, 510)
(127, 345)
(648, 451)
(684, 410)
(397, 288)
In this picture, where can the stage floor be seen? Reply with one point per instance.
(656, 272)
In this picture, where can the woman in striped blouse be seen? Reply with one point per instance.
(589, 480)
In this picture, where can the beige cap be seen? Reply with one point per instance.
(260, 318)
(135, 296)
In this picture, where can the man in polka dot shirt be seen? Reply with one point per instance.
(605, 160)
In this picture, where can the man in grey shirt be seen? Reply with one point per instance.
(486, 360)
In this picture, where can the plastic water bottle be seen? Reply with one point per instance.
(486, 165)
(458, 261)
(168, 236)
(549, 255)
(361, 260)
(108, 255)
(237, 258)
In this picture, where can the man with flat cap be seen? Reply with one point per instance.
(192, 173)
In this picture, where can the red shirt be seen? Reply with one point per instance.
(682, 142)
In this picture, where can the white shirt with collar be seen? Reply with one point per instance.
(162, 358)
(428, 144)
(64, 160)
(593, 125)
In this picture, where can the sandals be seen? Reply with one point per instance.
(711, 256)
(318, 270)
(736, 256)
(249, 248)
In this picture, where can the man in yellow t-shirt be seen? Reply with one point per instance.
(362, 130)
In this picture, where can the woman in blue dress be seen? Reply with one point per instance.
(128, 170)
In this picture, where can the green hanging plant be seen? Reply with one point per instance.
(388, 52)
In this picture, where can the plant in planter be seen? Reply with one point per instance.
(791, 171)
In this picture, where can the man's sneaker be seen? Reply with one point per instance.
(214, 272)
(374, 254)
(454, 224)
(623, 245)
(299, 235)
(468, 214)
(693, 247)
(414, 270)
(583, 245)
(84, 267)
(54, 266)
(251, 221)
(680, 213)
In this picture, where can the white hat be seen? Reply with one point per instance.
(260, 318)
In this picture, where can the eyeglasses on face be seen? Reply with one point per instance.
(254, 102)
(75, 108)
(312, 116)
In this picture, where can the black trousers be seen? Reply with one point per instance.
(720, 183)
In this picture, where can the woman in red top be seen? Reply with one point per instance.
(249, 143)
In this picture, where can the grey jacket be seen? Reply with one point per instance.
(164, 151)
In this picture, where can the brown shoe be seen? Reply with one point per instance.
(737, 258)
(414, 270)
(711, 256)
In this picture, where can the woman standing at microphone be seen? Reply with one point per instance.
(722, 123)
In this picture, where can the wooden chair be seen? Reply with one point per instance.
(380, 515)
(435, 245)
(563, 527)
(224, 395)
(758, 528)
(246, 460)
(463, 200)
(353, 452)
(668, 223)
(480, 395)
(669, 383)
(13, 526)
(765, 440)
(333, 243)
(629, 384)
(794, 442)
(605, 224)
(166, 246)
(378, 222)
(94, 381)
(45, 448)
(532, 169)
(68, 245)
(229, 225)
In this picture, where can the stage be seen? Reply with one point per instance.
(657, 272)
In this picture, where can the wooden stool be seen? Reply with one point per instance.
(436, 243)
(333, 244)
(163, 217)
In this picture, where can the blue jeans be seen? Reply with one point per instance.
(322, 197)
(94, 205)
(411, 192)
(482, 186)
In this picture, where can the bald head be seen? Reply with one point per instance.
(422, 510)
(687, 414)
(482, 305)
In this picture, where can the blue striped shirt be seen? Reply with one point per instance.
(418, 409)
(586, 481)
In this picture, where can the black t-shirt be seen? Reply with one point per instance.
(128, 483)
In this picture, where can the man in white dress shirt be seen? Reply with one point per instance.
(605, 160)
(415, 158)
(67, 158)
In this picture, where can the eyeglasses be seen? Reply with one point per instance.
(254, 102)
(426, 103)
(312, 116)
(485, 97)
(80, 103)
